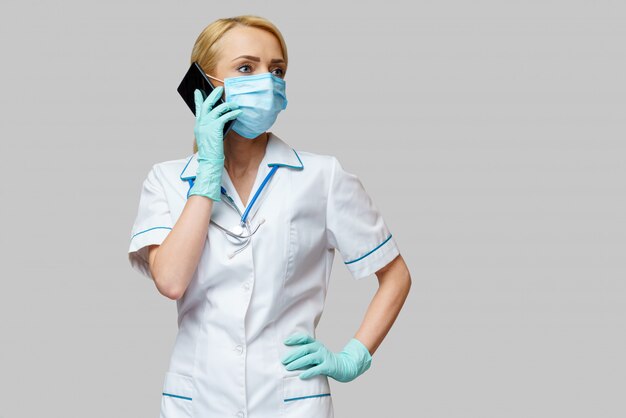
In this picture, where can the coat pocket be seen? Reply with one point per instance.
(307, 397)
(178, 391)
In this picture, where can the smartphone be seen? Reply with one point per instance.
(196, 79)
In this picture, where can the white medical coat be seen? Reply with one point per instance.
(236, 312)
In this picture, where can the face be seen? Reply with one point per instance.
(261, 54)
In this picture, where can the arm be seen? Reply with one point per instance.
(173, 263)
(394, 285)
(357, 229)
(356, 356)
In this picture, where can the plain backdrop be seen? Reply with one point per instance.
(490, 134)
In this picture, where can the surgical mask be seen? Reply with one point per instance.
(261, 97)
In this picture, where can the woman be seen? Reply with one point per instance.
(250, 274)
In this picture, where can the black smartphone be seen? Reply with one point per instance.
(196, 79)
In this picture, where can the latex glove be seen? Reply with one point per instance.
(344, 366)
(209, 131)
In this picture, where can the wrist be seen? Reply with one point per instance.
(208, 180)
(360, 354)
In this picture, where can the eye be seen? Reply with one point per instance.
(245, 65)
(280, 73)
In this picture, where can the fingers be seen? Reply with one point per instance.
(222, 113)
(206, 105)
(228, 116)
(298, 338)
(305, 361)
(313, 371)
(297, 353)
(223, 108)
(198, 99)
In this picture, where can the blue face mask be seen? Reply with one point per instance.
(261, 97)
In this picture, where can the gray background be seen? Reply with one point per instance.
(490, 134)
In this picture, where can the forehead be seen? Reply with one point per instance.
(243, 40)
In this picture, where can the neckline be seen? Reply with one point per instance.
(261, 172)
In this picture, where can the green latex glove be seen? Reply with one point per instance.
(209, 131)
(344, 366)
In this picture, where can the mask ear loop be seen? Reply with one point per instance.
(221, 81)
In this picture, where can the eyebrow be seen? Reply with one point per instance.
(257, 59)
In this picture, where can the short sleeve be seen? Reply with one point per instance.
(355, 226)
(152, 224)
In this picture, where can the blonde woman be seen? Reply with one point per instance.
(242, 234)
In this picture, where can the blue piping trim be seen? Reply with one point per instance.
(258, 192)
(287, 165)
(305, 397)
(181, 173)
(150, 229)
(265, 180)
(187, 178)
(176, 396)
(368, 253)
(191, 180)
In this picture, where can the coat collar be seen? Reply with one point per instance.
(277, 153)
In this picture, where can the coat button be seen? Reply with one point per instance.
(239, 349)
(246, 285)
(240, 414)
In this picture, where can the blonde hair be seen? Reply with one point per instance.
(207, 53)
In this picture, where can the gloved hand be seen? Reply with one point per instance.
(344, 366)
(209, 131)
